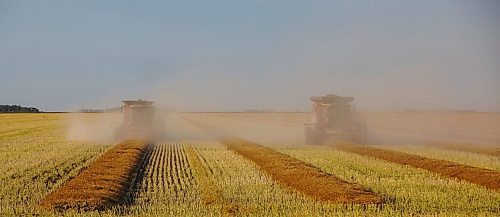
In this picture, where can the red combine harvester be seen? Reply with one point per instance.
(138, 121)
(334, 119)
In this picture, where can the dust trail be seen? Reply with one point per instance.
(261, 132)
(175, 128)
(424, 128)
(92, 127)
(477, 130)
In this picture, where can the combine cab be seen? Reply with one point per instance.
(138, 121)
(334, 119)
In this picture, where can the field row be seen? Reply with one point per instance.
(176, 176)
(242, 187)
(166, 173)
(208, 178)
(485, 177)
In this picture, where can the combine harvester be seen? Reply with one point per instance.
(108, 180)
(334, 119)
(138, 121)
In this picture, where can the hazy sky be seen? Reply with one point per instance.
(233, 55)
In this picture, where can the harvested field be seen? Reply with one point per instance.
(480, 176)
(408, 190)
(244, 189)
(209, 192)
(285, 169)
(167, 171)
(104, 183)
(312, 181)
(222, 182)
(168, 185)
(461, 157)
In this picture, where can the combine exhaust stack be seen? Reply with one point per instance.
(334, 119)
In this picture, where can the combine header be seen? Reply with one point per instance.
(138, 121)
(334, 119)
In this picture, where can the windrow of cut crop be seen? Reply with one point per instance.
(104, 183)
(480, 176)
(294, 173)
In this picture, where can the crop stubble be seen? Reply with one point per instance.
(295, 173)
(168, 171)
(480, 176)
(209, 192)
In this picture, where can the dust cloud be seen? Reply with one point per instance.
(177, 128)
(394, 128)
(383, 128)
(110, 127)
(257, 130)
(424, 128)
(93, 127)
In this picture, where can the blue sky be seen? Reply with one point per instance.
(233, 55)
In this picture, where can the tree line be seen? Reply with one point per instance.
(17, 108)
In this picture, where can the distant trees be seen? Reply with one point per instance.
(17, 108)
